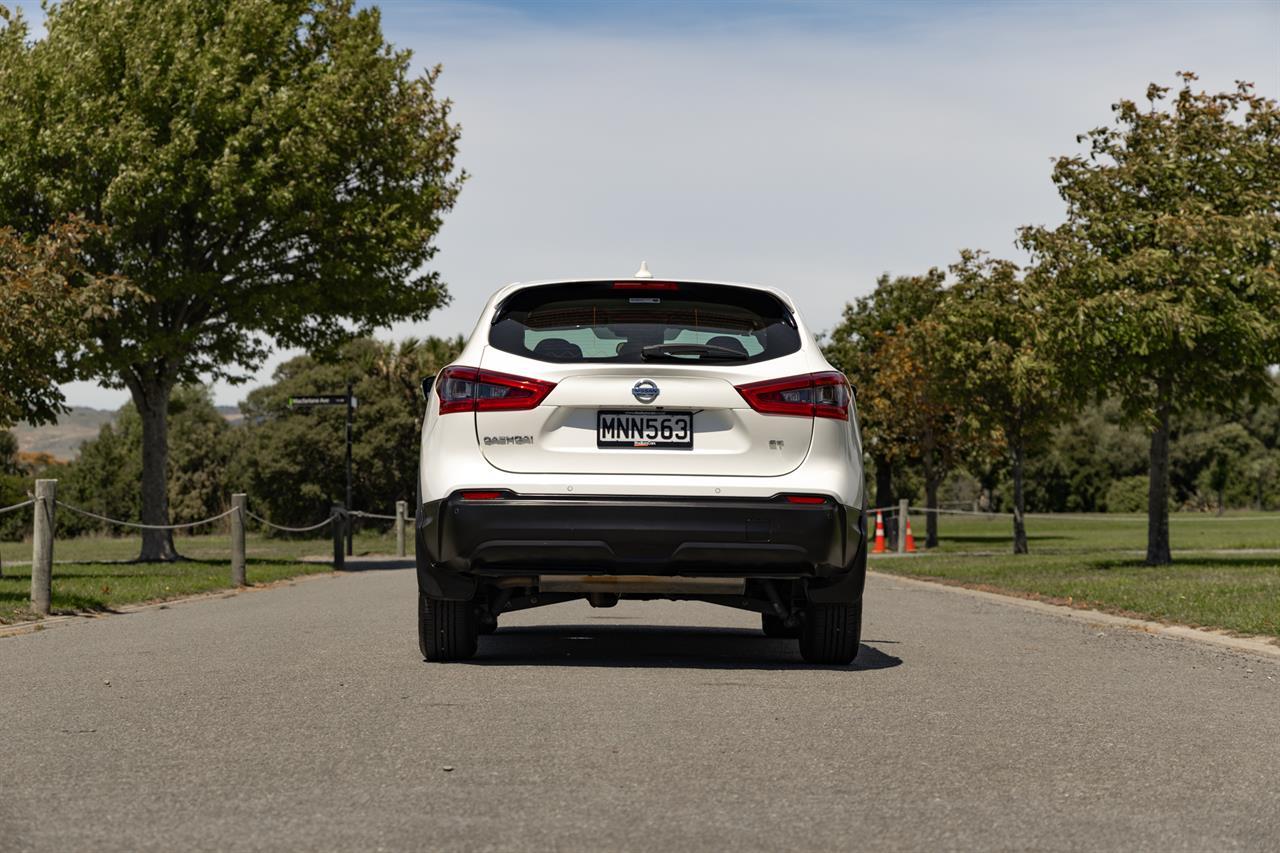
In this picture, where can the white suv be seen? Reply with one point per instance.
(641, 439)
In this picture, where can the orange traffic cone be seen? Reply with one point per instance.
(879, 549)
(911, 540)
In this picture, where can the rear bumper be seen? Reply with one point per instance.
(462, 541)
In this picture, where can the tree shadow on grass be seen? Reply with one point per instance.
(1003, 538)
(1209, 561)
(62, 604)
(654, 646)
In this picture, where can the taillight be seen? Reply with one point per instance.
(811, 395)
(470, 389)
(806, 499)
(482, 496)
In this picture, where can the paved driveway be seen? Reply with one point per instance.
(303, 718)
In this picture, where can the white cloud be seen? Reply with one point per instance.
(808, 155)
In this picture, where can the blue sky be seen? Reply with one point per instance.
(803, 144)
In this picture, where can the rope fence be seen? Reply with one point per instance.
(339, 520)
(1066, 516)
(16, 507)
(361, 514)
(140, 526)
(286, 529)
(42, 538)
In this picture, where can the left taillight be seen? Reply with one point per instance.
(810, 395)
(470, 389)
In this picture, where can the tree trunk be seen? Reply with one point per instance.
(932, 478)
(884, 482)
(884, 493)
(931, 518)
(1019, 506)
(1222, 507)
(151, 397)
(1158, 553)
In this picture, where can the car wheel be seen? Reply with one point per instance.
(830, 633)
(773, 626)
(447, 630)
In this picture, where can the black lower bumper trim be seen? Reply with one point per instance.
(461, 541)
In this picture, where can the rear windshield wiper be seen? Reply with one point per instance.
(655, 351)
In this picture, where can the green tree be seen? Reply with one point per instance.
(269, 170)
(889, 344)
(1161, 286)
(1218, 455)
(995, 369)
(291, 461)
(48, 300)
(1263, 472)
(862, 347)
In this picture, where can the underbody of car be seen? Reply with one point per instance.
(612, 439)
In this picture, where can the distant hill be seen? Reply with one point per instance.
(63, 439)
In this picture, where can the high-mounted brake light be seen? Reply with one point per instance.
(645, 285)
(810, 395)
(470, 389)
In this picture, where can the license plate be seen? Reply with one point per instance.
(644, 429)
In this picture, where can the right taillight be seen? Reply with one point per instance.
(470, 389)
(810, 395)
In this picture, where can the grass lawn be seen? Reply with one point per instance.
(1102, 531)
(1099, 565)
(93, 573)
(80, 587)
(215, 546)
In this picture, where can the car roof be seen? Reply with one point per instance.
(504, 292)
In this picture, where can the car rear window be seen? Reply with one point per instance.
(633, 322)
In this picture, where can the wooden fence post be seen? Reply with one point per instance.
(339, 552)
(42, 545)
(902, 526)
(402, 509)
(238, 506)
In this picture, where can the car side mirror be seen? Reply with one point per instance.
(427, 384)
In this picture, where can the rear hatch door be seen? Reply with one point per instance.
(645, 381)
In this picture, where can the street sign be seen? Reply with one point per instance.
(322, 400)
(349, 400)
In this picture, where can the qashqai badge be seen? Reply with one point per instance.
(646, 390)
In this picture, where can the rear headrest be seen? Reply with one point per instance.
(728, 343)
(557, 348)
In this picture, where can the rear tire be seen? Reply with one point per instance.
(447, 630)
(831, 633)
(773, 626)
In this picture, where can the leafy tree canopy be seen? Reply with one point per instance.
(1162, 282)
(268, 170)
(864, 346)
(48, 301)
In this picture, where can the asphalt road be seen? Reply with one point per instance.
(303, 718)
